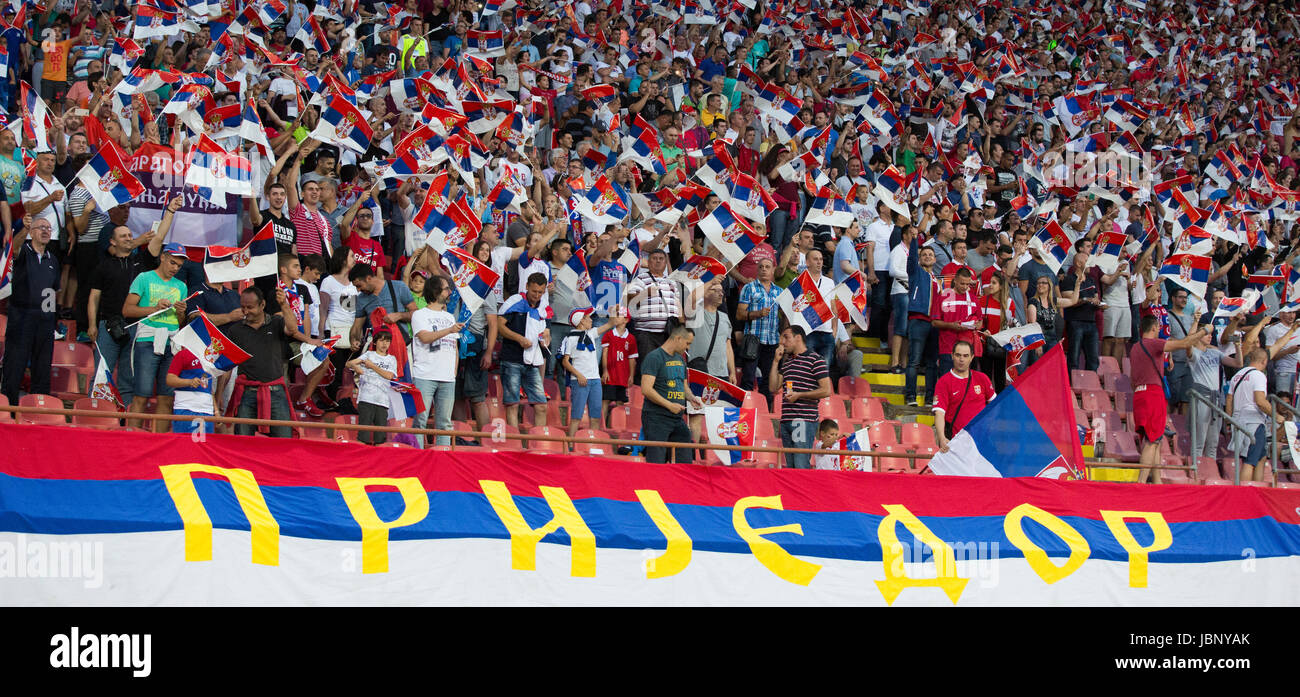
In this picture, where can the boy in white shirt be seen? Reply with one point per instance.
(580, 357)
(828, 438)
(374, 369)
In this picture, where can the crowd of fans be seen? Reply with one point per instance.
(953, 132)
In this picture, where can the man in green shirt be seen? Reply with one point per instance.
(663, 384)
(156, 291)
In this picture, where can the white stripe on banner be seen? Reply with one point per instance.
(963, 459)
(149, 569)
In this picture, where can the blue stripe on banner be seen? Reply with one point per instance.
(50, 506)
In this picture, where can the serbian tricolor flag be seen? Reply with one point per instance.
(600, 94)
(36, 116)
(215, 172)
(1072, 112)
(6, 270)
(1016, 341)
(750, 199)
(851, 299)
(1191, 271)
(605, 202)
(491, 7)
(1039, 410)
(729, 233)
(312, 36)
(803, 303)
(1053, 244)
(342, 123)
(124, 54)
(508, 194)
(829, 209)
(485, 44)
(698, 269)
(108, 181)
(730, 426)
(251, 129)
(473, 279)
(1223, 170)
(1248, 303)
(1107, 250)
(714, 391)
(314, 356)
(891, 187)
(217, 353)
(630, 257)
(576, 274)
(859, 441)
(642, 146)
(253, 260)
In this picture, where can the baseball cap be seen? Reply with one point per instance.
(577, 315)
(174, 248)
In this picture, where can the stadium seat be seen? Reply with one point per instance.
(625, 418)
(593, 448)
(350, 435)
(1114, 422)
(1083, 380)
(553, 446)
(853, 387)
(1124, 403)
(310, 429)
(768, 460)
(917, 436)
(1108, 366)
(1096, 401)
(868, 410)
(922, 463)
(1122, 446)
(763, 428)
(892, 464)
(634, 396)
(832, 407)
(71, 354)
(42, 401)
(776, 405)
(755, 400)
(883, 433)
(6, 417)
(1117, 382)
(1081, 418)
(92, 404)
(64, 384)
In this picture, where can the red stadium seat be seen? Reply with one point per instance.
(1081, 418)
(928, 452)
(1095, 401)
(553, 446)
(91, 404)
(593, 448)
(1124, 403)
(1083, 380)
(768, 460)
(71, 354)
(883, 433)
(891, 464)
(42, 401)
(832, 408)
(852, 387)
(1108, 366)
(917, 436)
(624, 419)
(868, 410)
(6, 417)
(349, 434)
(755, 400)
(634, 396)
(310, 429)
(1122, 446)
(1117, 382)
(763, 428)
(65, 385)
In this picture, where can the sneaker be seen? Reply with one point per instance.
(83, 338)
(309, 408)
(59, 332)
(897, 370)
(324, 402)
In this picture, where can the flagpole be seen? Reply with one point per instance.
(159, 312)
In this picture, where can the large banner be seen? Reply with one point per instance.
(110, 518)
(199, 223)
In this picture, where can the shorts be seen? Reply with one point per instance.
(513, 374)
(1117, 322)
(900, 313)
(475, 384)
(1150, 412)
(1258, 446)
(585, 399)
(151, 370)
(1284, 382)
(53, 91)
(615, 393)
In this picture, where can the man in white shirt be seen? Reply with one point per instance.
(1248, 404)
(43, 194)
(877, 235)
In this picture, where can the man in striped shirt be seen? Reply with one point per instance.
(312, 229)
(800, 375)
(653, 299)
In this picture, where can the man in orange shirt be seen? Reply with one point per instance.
(54, 78)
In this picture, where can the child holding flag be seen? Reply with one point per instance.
(580, 357)
(193, 396)
(374, 370)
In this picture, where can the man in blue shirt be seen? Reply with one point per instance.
(33, 309)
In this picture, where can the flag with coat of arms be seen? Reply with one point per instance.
(730, 426)
(108, 181)
(215, 351)
(803, 303)
(256, 259)
(474, 280)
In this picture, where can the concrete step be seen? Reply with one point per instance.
(890, 382)
(868, 342)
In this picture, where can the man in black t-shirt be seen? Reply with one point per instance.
(663, 384)
(285, 234)
(110, 283)
(260, 390)
(1081, 318)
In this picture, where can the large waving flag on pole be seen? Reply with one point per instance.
(803, 303)
(256, 259)
(216, 352)
(730, 426)
(1026, 431)
(108, 181)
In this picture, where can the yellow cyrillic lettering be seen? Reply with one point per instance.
(678, 553)
(891, 551)
(1138, 555)
(769, 553)
(374, 532)
(524, 539)
(265, 532)
(1013, 526)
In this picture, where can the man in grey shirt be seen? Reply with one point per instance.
(564, 298)
(721, 358)
(1206, 369)
(1179, 327)
(981, 256)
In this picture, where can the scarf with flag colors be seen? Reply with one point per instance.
(1038, 408)
(214, 350)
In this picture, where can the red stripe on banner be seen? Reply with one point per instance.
(317, 463)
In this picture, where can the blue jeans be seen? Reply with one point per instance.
(279, 412)
(151, 370)
(922, 350)
(585, 399)
(118, 356)
(191, 426)
(442, 397)
(899, 303)
(778, 229)
(798, 434)
(823, 343)
(513, 374)
(1083, 337)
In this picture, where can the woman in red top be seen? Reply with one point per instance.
(996, 308)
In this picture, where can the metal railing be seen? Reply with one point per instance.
(495, 436)
(1276, 454)
(1196, 397)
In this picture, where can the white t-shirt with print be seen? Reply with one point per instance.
(371, 387)
(437, 360)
